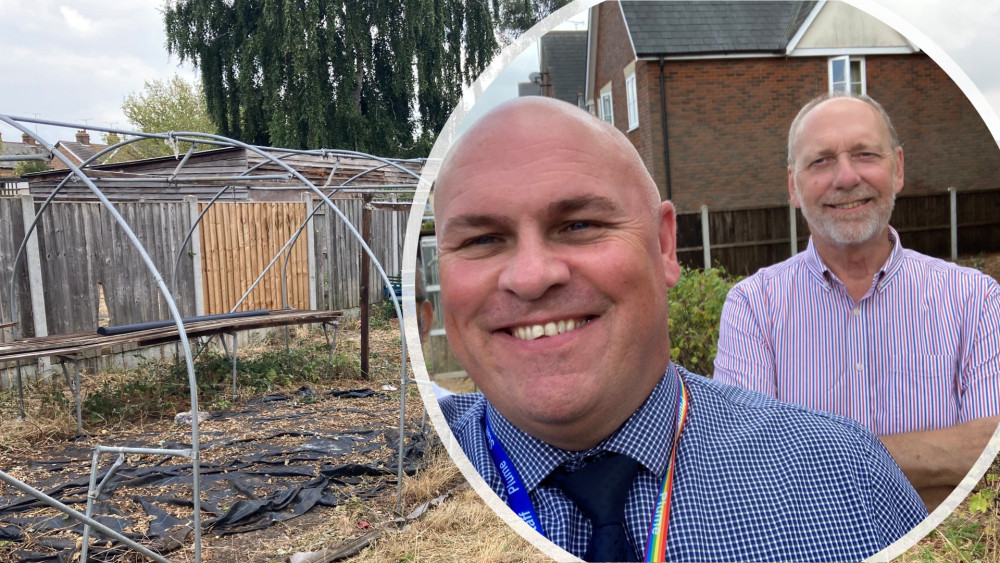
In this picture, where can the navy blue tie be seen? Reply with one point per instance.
(599, 490)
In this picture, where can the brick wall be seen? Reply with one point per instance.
(945, 142)
(728, 119)
(614, 53)
(728, 122)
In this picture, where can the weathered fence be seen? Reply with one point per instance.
(338, 277)
(79, 256)
(945, 224)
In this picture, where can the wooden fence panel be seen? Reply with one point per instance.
(11, 234)
(923, 223)
(978, 222)
(238, 241)
(745, 240)
(85, 251)
(338, 273)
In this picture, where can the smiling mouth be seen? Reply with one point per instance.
(551, 328)
(849, 205)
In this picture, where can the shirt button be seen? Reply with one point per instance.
(859, 367)
(856, 311)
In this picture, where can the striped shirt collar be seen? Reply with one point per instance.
(645, 436)
(823, 274)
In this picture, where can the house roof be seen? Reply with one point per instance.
(564, 57)
(80, 151)
(11, 148)
(710, 27)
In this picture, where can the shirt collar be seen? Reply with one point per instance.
(816, 266)
(646, 437)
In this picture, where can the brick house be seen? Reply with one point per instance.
(78, 150)
(732, 75)
(27, 146)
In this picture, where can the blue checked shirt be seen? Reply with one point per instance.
(755, 480)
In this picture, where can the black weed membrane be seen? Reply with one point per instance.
(279, 465)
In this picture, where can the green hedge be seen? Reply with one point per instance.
(695, 307)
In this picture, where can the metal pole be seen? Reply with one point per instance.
(953, 196)
(234, 368)
(366, 236)
(705, 243)
(42, 497)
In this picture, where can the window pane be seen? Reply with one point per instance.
(837, 68)
(856, 78)
(856, 71)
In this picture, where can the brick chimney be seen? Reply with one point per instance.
(27, 139)
(83, 137)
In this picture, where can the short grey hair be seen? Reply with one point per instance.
(793, 130)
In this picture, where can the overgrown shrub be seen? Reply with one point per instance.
(695, 308)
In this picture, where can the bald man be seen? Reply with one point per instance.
(857, 325)
(555, 257)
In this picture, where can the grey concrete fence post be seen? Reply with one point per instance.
(35, 281)
(953, 197)
(196, 272)
(793, 229)
(311, 250)
(705, 235)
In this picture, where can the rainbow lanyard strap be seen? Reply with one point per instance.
(520, 502)
(656, 542)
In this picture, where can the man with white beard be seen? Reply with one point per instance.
(857, 325)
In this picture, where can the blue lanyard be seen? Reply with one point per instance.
(520, 502)
(517, 495)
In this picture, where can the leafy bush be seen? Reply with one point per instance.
(695, 308)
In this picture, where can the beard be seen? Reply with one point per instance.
(854, 230)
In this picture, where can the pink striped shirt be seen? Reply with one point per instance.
(919, 351)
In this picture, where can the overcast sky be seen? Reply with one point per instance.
(76, 61)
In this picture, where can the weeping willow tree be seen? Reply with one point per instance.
(379, 76)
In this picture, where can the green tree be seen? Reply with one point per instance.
(379, 76)
(163, 106)
(23, 167)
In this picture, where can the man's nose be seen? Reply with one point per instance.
(846, 174)
(533, 270)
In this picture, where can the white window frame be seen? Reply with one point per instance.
(606, 108)
(632, 102)
(848, 62)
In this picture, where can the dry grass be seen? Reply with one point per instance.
(461, 529)
(49, 417)
(971, 534)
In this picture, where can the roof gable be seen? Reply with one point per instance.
(690, 28)
(841, 26)
(564, 57)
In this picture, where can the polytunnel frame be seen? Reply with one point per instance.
(195, 138)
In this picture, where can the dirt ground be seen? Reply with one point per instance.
(274, 434)
(301, 445)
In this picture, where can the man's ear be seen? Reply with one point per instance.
(793, 195)
(425, 317)
(668, 243)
